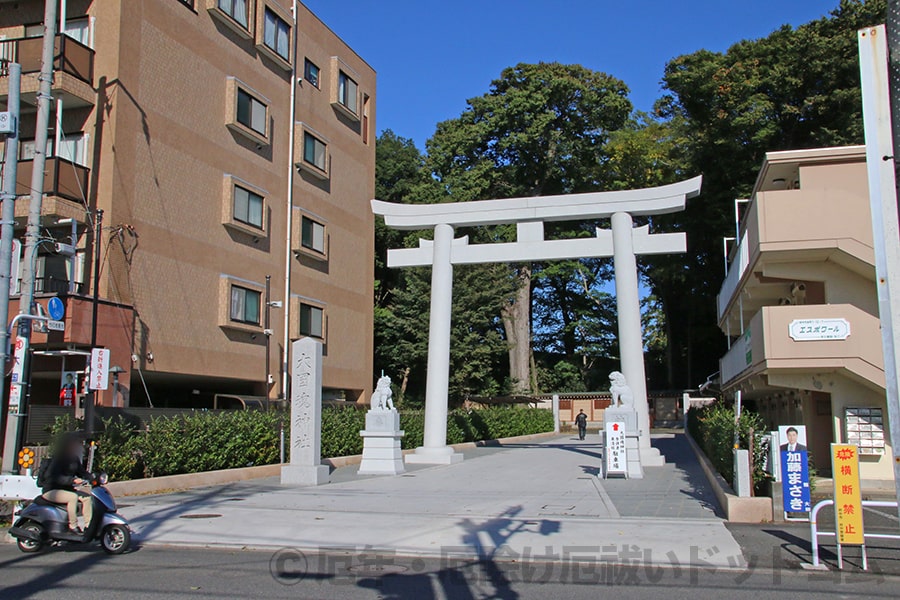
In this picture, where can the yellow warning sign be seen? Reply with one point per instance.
(847, 496)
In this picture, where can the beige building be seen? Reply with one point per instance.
(225, 141)
(799, 306)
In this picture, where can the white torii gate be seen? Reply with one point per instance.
(623, 243)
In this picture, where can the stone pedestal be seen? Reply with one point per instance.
(440, 455)
(306, 466)
(381, 444)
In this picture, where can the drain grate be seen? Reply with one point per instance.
(377, 570)
(200, 516)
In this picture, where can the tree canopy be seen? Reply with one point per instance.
(550, 128)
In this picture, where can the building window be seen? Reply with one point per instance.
(277, 34)
(237, 10)
(251, 112)
(348, 92)
(312, 321)
(314, 151)
(249, 207)
(245, 305)
(311, 73)
(189, 3)
(245, 208)
(312, 235)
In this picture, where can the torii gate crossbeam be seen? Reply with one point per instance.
(623, 243)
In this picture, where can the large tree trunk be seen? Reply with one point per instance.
(517, 323)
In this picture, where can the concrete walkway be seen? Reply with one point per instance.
(519, 501)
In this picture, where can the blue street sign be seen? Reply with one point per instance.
(56, 309)
(795, 481)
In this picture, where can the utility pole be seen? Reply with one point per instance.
(91, 399)
(887, 264)
(7, 225)
(267, 330)
(19, 390)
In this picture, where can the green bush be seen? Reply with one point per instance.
(203, 441)
(713, 428)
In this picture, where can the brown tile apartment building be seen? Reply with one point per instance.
(176, 121)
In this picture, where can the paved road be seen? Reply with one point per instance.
(153, 573)
(522, 500)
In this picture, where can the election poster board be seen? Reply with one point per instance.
(847, 495)
(795, 490)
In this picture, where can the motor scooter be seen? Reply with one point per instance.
(43, 522)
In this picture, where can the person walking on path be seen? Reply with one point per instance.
(581, 421)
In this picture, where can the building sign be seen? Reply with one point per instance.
(795, 489)
(865, 428)
(847, 496)
(99, 378)
(811, 330)
(616, 458)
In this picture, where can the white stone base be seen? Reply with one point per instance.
(634, 457)
(444, 455)
(650, 457)
(305, 474)
(381, 444)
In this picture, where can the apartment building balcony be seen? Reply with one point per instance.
(812, 338)
(65, 189)
(785, 231)
(73, 66)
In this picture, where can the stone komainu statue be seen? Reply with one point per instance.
(621, 393)
(382, 399)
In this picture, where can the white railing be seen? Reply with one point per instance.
(737, 359)
(814, 533)
(733, 278)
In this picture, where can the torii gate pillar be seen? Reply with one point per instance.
(435, 449)
(631, 339)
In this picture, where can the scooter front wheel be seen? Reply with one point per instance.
(29, 545)
(115, 539)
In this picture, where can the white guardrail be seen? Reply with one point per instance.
(814, 533)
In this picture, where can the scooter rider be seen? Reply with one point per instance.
(66, 473)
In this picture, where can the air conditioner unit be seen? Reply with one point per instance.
(7, 123)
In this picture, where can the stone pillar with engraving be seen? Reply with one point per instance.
(305, 466)
(381, 443)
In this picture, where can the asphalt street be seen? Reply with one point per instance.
(151, 573)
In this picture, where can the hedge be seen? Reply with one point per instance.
(203, 441)
(713, 428)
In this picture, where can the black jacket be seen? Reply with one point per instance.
(63, 471)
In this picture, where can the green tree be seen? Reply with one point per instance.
(402, 295)
(796, 88)
(541, 129)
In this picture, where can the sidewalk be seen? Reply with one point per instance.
(538, 500)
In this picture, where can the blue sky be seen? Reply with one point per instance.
(432, 55)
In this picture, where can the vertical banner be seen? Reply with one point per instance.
(17, 374)
(616, 460)
(847, 496)
(99, 378)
